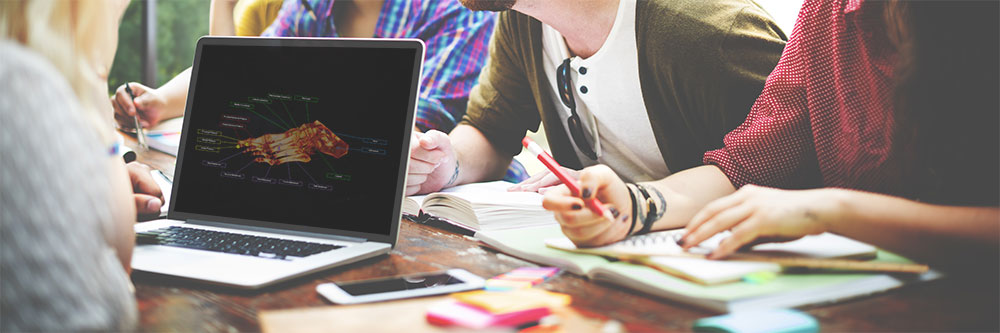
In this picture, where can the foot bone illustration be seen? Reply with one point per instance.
(294, 145)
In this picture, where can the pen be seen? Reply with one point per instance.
(138, 128)
(549, 162)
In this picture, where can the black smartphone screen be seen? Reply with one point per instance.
(368, 287)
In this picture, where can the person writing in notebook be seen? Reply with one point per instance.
(879, 123)
(642, 86)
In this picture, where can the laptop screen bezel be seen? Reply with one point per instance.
(413, 44)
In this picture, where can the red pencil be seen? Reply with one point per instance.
(549, 162)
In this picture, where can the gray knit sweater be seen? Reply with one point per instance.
(57, 271)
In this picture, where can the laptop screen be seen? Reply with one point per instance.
(305, 136)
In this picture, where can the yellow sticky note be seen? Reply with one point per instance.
(511, 301)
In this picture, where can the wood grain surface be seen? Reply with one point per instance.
(172, 304)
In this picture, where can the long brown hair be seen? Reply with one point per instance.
(946, 108)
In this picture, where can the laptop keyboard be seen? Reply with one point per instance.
(228, 242)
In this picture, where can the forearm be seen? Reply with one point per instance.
(175, 93)
(221, 18)
(687, 192)
(478, 160)
(943, 236)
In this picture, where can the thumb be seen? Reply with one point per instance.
(138, 89)
(147, 204)
(593, 180)
(143, 101)
(437, 140)
(143, 95)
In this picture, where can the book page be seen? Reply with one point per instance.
(495, 194)
(664, 243)
(528, 244)
(488, 206)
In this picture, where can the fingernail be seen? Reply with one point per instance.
(614, 212)
(576, 207)
(681, 242)
(586, 193)
(153, 204)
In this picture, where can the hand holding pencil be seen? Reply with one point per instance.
(597, 212)
(148, 105)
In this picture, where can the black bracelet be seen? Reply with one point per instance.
(631, 195)
(653, 212)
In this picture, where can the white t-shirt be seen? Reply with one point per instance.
(609, 99)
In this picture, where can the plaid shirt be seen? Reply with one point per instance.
(456, 40)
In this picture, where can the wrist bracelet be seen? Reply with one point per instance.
(631, 195)
(640, 209)
(653, 212)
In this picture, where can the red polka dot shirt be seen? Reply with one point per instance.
(824, 118)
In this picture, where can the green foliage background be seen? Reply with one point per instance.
(179, 24)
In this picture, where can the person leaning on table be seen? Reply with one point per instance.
(67, 209)
(642, 86)
(879, 123)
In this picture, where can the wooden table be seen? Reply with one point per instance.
(171, 304)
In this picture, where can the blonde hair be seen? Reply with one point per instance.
(79, 38)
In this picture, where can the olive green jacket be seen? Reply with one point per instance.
(702, 64)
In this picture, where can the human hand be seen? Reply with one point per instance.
(148, 197)
(583, 226)
(433, 163)
(542, 181)
(149, 103)
(759, 214)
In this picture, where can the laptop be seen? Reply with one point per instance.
(292, 159)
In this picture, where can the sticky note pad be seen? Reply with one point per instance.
(531, 275)
(515, 300)
(503, 285)
(456, 313)
(545, 272)
(513, 277)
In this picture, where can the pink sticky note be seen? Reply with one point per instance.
(543, 271)
(457, 313)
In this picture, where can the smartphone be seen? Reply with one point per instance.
(424, 284)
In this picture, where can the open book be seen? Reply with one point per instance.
(479, 206)
(788, 289)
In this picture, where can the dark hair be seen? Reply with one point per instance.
(947, 100)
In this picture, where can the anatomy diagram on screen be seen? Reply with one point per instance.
(294, 145)
(275, 140)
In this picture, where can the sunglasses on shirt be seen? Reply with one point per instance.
(565, 85)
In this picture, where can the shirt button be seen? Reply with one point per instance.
(583, 70)
(583, 89)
